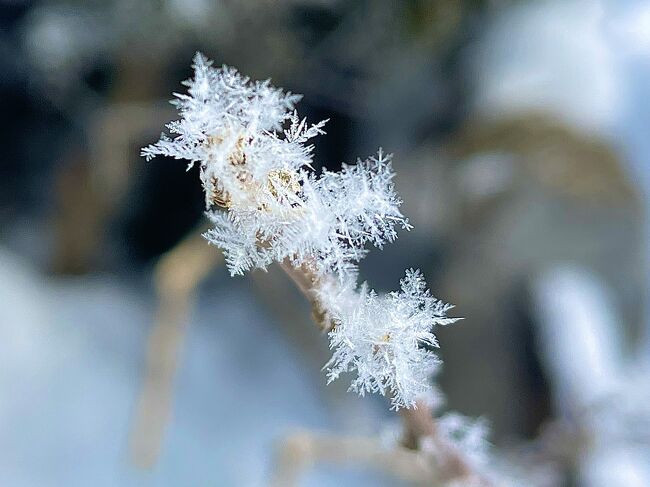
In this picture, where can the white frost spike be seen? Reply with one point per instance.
(364, 201)
(388, 340)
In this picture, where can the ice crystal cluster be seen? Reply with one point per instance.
(267, 204)
(388, 340)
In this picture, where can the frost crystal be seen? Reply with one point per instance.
(267, 205)
(388, 340)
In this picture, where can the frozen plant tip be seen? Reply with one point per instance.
(275, 207)
(388, 340)
(267, 205)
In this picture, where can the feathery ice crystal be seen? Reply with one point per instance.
(267, 205)
(388, 340)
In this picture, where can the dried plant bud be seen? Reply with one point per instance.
(244, 177)
(237, 157)
(213, 140)
(282, 182)
(218, 195)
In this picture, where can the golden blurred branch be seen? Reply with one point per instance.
(177, 275)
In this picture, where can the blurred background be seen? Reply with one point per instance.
(128, 356)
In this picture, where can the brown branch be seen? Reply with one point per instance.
(419, 426)
(308, 282)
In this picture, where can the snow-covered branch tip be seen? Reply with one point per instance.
(267, 204)
(388, 340)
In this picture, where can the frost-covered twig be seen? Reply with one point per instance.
(443, 463)
(309, 283)
(268, 205)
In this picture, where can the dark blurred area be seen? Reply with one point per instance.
(519, 132)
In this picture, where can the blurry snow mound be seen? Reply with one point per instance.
(616, 468)
(630, 29)
(553, 57)
(24, 310)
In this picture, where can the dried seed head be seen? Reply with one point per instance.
(244, 177)
(214, 140)
(217, 194)
(282, 182)
(237, 156)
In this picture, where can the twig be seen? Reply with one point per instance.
(419, 423)
(177, 275)
(302, 449)
(420, 426)
(307, 282)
